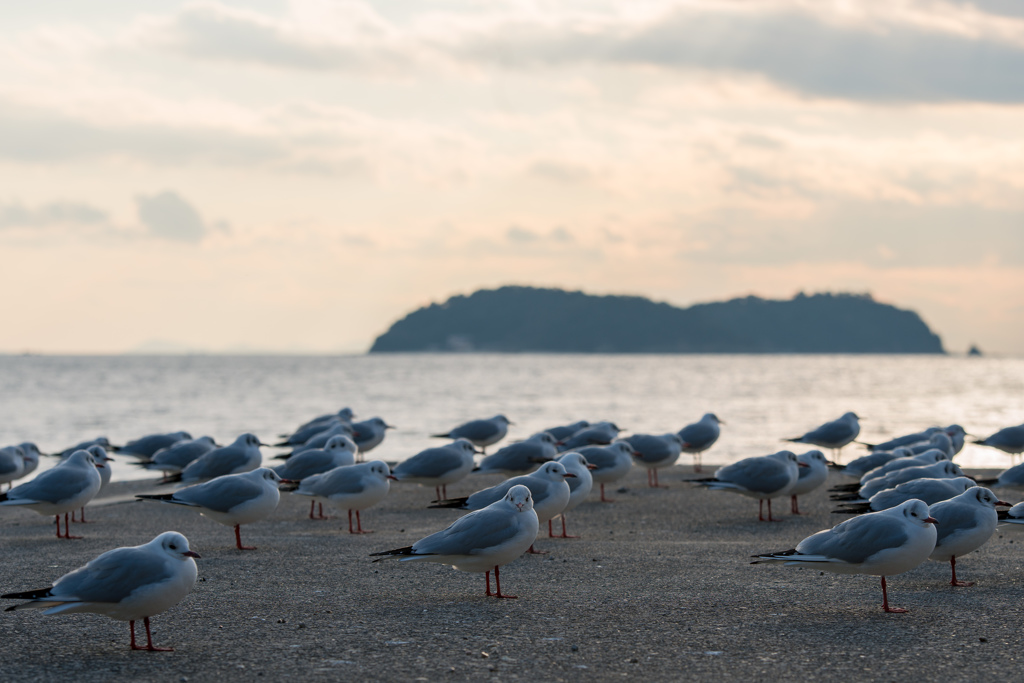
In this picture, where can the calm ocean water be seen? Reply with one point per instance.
(59, 401)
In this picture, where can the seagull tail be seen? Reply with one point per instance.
(848, 497)
(870, 446)
(171, 479)
(987, 482)
(844, 488)
(774, 557)
(441, 436)
(35, 596)
(163, 498)
(397, 552)
(853, 509)
(283, 456)
(449, 503)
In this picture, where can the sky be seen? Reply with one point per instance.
(296, 175)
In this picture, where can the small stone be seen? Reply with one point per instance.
(634, 660)
(484, 655)
(282, 621)
(575, 648)
(301, 626)
(982, 640)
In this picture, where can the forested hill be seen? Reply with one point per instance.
(528, 319)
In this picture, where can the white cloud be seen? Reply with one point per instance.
(168, 216)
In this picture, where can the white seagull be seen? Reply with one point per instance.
(762, 477)
(834, 435)
(878, 544)
(654, 451)
(480, 541)
(339, 451)
(1009, 440)
(178, 456)
(700, 436)
(939, 470)
(241, 456)
(65, 487)
(522, 457)
(930, 491)
(353, 487)
(231, 499)
(370, 433)
(579, 485)
(146, 447)
(965, 523)
(438, 466)
(611, 463)
(126, 584)
(481, 433)
(808, 478)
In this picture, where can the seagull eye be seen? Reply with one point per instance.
(173, 547)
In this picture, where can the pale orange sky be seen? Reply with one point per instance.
(295, 176)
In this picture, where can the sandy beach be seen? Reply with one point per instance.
(659, 586)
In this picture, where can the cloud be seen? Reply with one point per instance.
(52, 214)
(168, 216)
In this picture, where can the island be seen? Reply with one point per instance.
(516, 319)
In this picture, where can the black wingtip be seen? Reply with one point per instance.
(158, 496)
(449, 503)
(28, 595)
(171, 479)
(407, 550)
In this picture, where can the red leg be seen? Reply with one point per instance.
(656, 484)
(487, 577)
(564, 535)
(312, 504)
(131, 625)
(437, 493)
(770, 512)
(696, 463)
(58, 525)
(238, 544)
(359, 524)
(444, 490)
(67, 528)
(760, 510)
(149, 640)
(603, 499)
(954, 582)
(885, 602)
(531, 551)
(83, 516)
(551, 534)
(497, 585)
(794, 506)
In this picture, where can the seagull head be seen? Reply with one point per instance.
(917, 512)
(984, 497)
(520, 497)
(555, 471)
(340, 442)
(380, 469)
(175, 545)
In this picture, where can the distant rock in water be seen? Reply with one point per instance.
(974, 350)
(528, 319)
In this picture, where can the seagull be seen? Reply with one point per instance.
(100, 457)
(320, 439)
(930, 491)
(965, 523)
(598, 434)
(565, 431)
(1011, 478)
(31, 455)
(1008, 440)
(1012, 518)
(180, 455)
(937, 441)
(700, 436)
(864, 464)
(481, 433)
(579, 485)
(834, 435)
(309, 429)
(929, 457)
(611, 463)
(231, 500)
(337, 452)
(653, 452)
(345, 415)
(98, 441)
(241, 456)
(438, 466)
(146, 447)
(369, 434)
(59, 490)
(480, 541)
(548, 486)
(904, 440)
(12, 464)
(808, 478)
(352, 487)
(879, 544)
(762, 477)
(940, 470)
(522, 457)
(126, 584)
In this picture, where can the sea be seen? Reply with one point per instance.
(58, 401)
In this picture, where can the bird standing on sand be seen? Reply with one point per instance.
(65, 487)
(438, 466)
(369, 434)
(353, 488)
(339, 451)
(611, 463)
(579, 485)
(965, 523)
(762, 477)
(180, 455)
(241, 456)
(146, 447)
(700, 436)
(480, 541)
(1009, 440)
(808, 478)
(834, 435)
(879, 544)
(654, 452)
(481, 433)
(126, 584)
(520, 458)
(231, 499)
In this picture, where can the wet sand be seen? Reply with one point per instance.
(659, 586)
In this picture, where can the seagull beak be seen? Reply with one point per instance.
(192, 553)
(1003, 502)
(570, 474)
(931, 520)
(591, 467)
(802, 464)
(289, 481)
(266, 444)
(391, 476)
